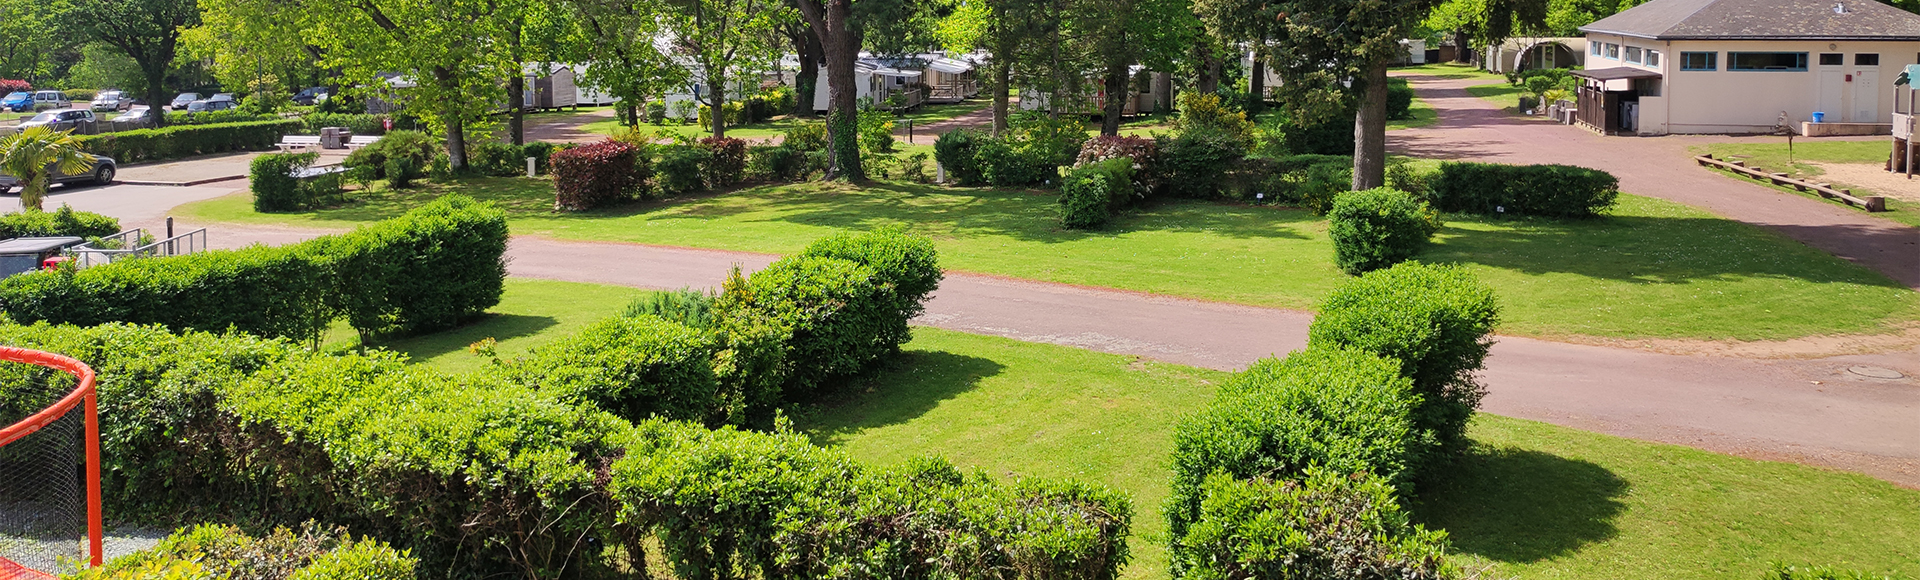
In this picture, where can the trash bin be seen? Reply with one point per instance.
(21, 255)
(335, 137)
(1819, 116)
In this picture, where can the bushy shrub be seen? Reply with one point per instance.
(776, 163)
(1341, 409)
(78, 95)
(229, 116)
(496, 159)
(1435, 320)
(1090, 194)
(635, 367)
(275, 188)
(727, 163)
(1560, 191)
(834, 314)
(432, 268)
(400, 157)
(1203, 115)
(220, 551)
(187, 140)
(1048, 140)
(684, 306)
(595, 176)
(358, 123)
(656, 112)
(259, 290)
(14, 86)
(806, 136)
(1326, 525)
(904, 265)
(1377, 228)
(776, 505)
(542, 154)
(1399, 99)
(682, 168)
(1009, 162)
(1195, 165)
(61, 222)
(1139, 150)
(956, 151)
(876, 131)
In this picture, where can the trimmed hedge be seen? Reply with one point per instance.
(435, 267)
(400, 157)
(1325, 525)
(1436, 321)
(1561, 191)
(777, 505)
(633, 367)
(955, 150)
(1377, 228)
(187, 140)
(596, 175)
(1195, 165)
(1090, 194)
(682, 169)
(1344, 410)
(61, 222)
(220, 551)
(728, 163)
(832, 312)
(905, 265)
(275, 188)
(358, 123)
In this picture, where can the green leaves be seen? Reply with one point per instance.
(1377, 228)
(31, 154)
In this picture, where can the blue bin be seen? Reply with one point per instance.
(1819, 116)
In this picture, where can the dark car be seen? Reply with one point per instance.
(63, 120)
(183, 99)
(310, 95)
(228, 97)
(136, 117)
(99, 171)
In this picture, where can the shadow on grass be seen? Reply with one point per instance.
(1644, 250)
(495, 326)
(915, 382)
(1516, 505)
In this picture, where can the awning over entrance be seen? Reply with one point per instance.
(1617, 73)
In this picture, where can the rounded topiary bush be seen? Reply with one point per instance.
(1435, 320)
(1090, 193)
(1377, 228)
(1326, 525)
(594, 175)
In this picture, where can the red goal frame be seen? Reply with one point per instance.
(82, 397)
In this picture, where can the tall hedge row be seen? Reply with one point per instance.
(431, 268)
(1296, 468)
(61, 222)
(1561, 191)
(188, 140)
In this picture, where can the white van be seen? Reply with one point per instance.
(54, 99)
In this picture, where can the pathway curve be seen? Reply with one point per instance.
(1474, 128)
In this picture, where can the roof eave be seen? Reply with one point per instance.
(1808, 37)
(1619, 33)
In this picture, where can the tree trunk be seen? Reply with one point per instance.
(832, 23)
(1370, 130)
(1002, 96)
(1163, 93)
(1461, 53)
(456, 127)
(717, 104)
(1209, 73)
(157, 95)
(1117, 94)
(517, 109)
(808, 47)
(1257, 85)
(633, 113)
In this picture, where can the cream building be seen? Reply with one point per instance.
(1744, 66)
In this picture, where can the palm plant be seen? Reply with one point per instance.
(32, 155)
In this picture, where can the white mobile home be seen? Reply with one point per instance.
(1745, 66)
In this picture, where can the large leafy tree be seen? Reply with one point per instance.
(720, 38)
(1245, 23)
(1123, 33)
(147, 31)
(844, 27)
(33, 153)
(624, 55)
(254, 43)
(27, 39)
(1004, 29)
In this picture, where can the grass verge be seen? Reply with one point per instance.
(1652, 269)
(1777, 157)
(1532, 499)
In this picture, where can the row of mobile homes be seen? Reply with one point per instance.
(882, 86)
(1138, 97)
(1745, 66)
(1530, 53)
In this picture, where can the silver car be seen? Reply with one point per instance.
(99, 171)
(63, 120)
(110, 101)
(137, 116)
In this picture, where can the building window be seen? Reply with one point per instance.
(1699, 61)
(1613, 51)
(1633, 54)
(1767, 61)
(1866, 60)
(1594, 47)
(1832, 59)
(1653, 58)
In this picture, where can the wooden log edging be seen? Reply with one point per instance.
(1871, 203)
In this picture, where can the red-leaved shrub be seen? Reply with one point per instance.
(1143, 151)
(729, 162)
(595, 175)
(14, 86)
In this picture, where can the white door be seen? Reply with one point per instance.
(1833, 81)
(1866, 97)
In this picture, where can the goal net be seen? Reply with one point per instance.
(49, 466)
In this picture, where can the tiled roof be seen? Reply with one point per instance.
(1762, 20)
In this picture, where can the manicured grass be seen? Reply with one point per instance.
(1419, 115)
(1652, 269)
(1448, 70)
(531, 313)
(935, 113)
(1775, 157)
(1503, 94)
(1532, 501)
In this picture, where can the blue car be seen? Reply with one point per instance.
(20, 102)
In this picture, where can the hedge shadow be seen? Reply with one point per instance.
(900, 391)
(1516, 505)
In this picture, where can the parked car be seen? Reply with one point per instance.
(183, 99)
(19, 102)
(63, 120)
(99, 171)
(110, 101)
(208, 106)
(307, 97)
(223, 97)
(136, 117)
(51, 100)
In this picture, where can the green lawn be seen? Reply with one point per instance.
(1503, 94)
(1420, 115)
(1448, 70)
(1652, 269)
(1532, 501)
(1775, 157)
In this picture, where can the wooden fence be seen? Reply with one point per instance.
(1870, 203)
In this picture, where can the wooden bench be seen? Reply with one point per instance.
(1872, 203)
(293, 143)
(358, 141)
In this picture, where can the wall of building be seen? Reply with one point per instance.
(1730, 101)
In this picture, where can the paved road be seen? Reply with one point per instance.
(1474, 128)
